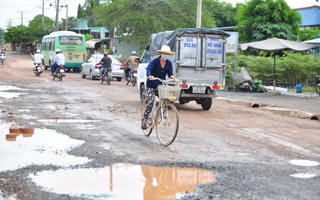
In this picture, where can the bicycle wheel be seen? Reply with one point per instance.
(108, 80)
(147, 131)
(167, 124)
(102, 79)
(317, 88)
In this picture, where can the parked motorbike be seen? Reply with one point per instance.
(59, 73)
(132, 77)
(3, 57)
(317, 84)
(246, 86)
(37, 69)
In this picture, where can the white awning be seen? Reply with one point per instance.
(90, 44)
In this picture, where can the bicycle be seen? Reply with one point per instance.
(107, 76)
(164, 115)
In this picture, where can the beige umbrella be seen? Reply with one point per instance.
(274, 45)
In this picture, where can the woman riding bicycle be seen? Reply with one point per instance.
(159, 67)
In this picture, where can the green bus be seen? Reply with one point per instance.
(73, 47)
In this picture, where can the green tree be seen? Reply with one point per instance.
(33, 33)
(223, 13)
(18, 34)
(38, 30)
(137, 19)
(291, 68)
(88, 12)
(1, 35)
(80, 14)
(309, 34)
(262, 19)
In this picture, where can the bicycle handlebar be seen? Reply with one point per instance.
(165, 82)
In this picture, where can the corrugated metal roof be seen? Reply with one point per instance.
(310, 16)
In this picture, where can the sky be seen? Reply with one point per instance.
(15, 12)
(12, 11)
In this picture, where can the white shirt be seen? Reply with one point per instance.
(59, 59)
(37, 58)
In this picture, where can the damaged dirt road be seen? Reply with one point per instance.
(232, 151)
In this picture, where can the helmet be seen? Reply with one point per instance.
(105, 53)
(58, 51)
(38, 50)
(133, 53)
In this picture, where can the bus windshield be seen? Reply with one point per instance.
(70, 40)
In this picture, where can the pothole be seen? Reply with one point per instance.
(5, 91)
(306, 163)
(37, 146)
(67, 120)
(121, 181)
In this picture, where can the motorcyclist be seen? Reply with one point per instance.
(132, 63)
(3, 56)
(3, 52)
(37, 57)
(106, 64)
(58, 60)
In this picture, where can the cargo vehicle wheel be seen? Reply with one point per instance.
(206, 104)
(119, 79)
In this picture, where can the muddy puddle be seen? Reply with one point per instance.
(305, 173)
(5, 91)
(124, 181)
(67, 121)
(41, 147)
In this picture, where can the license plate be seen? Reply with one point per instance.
(199, 89)
(39, 68)
(61, 70)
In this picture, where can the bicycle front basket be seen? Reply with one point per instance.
(171, 93)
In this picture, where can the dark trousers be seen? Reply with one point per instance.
(54, 67)
(127, 71)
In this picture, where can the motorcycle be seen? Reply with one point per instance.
(132, 76)
(59, 73)
(107, 76)
(246, 86)
(3, 57)
(37, 69)
(317, 84)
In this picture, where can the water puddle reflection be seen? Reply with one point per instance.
(303, 175)
(66, 121)
(41, 147)
(124, 181)
(307, 163)
(6, 94)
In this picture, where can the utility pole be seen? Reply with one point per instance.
(66, 6)
(42, 21)
(21, 16)
(199, 13)
(57, 15)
